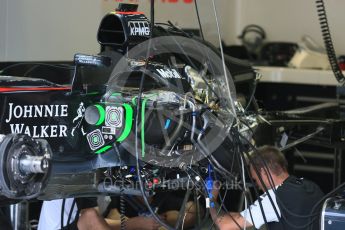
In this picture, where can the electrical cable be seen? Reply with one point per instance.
(182, 209)
(136, 145)
(261, 181)
(250, 211)
(199, 21)
(70, 213)
(192, 104)
(174, 135)
(152, 14)
(204, 192)
(197, 203)
(241, 162)
(202, 181)
(259, 200)
(217, 166)
(227, 212)
(143, 107)
(184, 218)
(187, 212)
(257, 193)
(232, 218)
(245, 190)
(62, 213)
(222, 54)
(177, 29)
(30, 70)
(327, 38)
(122, 206)
(238, 135)
(241, 148)
(252, 95)
(238, 149)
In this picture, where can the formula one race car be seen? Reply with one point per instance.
(156, 105)
(157, 109)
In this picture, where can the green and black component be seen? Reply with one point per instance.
(114, 123)
(109, 123)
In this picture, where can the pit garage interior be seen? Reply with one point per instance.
(286, 68)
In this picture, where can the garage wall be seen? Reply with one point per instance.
(184, 15)
(3, 23)
(289, 20)
(47, 29)
(52, 30)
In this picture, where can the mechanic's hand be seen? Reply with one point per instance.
(144, 223)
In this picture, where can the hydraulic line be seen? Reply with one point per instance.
(122, 206)
(143, 128)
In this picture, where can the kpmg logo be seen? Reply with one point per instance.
(139, 28)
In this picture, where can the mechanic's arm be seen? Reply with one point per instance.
(91, 220)
(146, 223)
(189, 216)
(224, 220)
(228, 221)
(170, 217)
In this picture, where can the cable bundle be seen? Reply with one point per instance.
(321, 10)
(122, 207)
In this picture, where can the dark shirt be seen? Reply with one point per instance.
(296, 198)
(5, 221)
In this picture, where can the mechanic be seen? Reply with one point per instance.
(166, 205)
(5, 220)
(51, 211)
(293, 198)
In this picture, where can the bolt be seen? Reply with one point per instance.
(45, 164)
